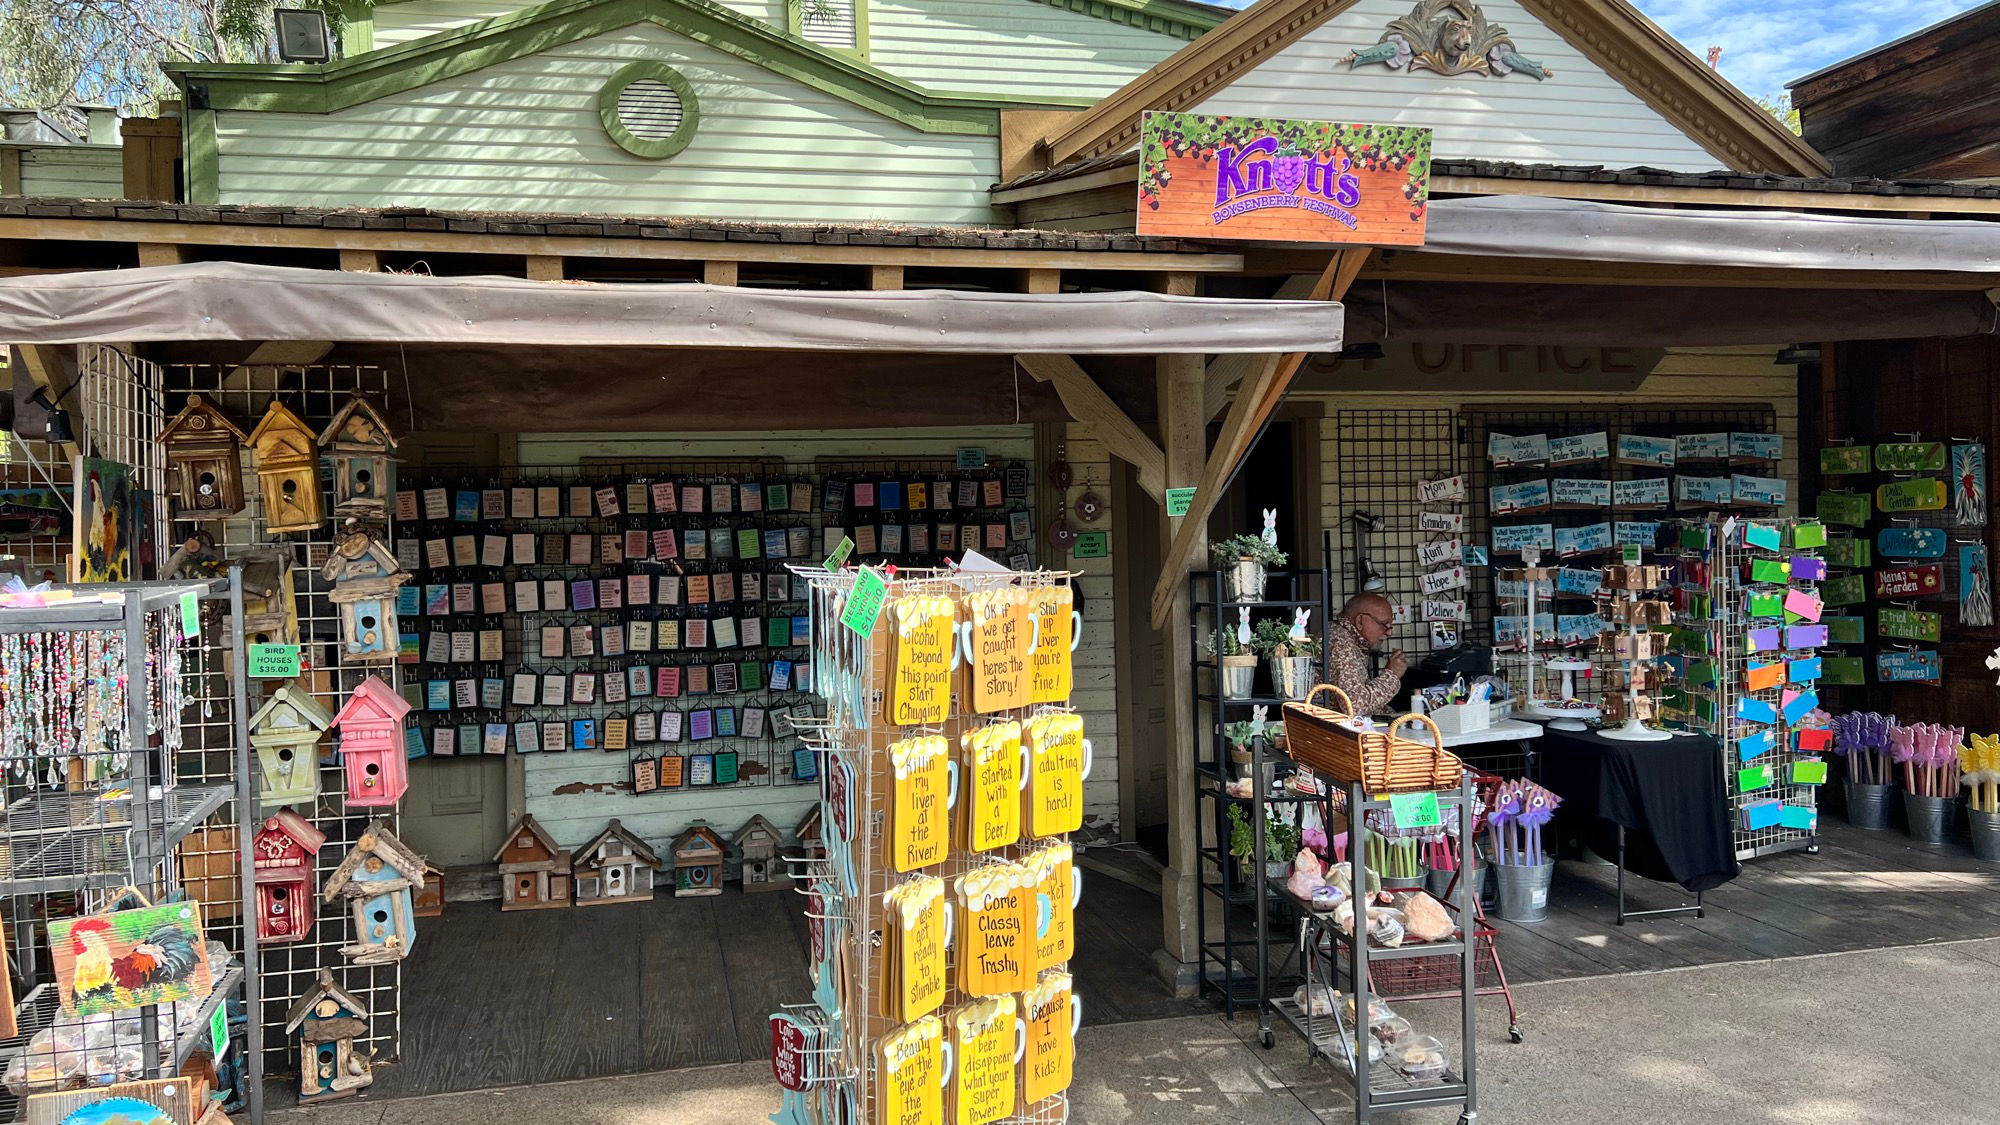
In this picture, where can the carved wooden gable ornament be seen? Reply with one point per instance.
(1449, 37)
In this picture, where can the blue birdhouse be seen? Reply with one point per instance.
(378, 879)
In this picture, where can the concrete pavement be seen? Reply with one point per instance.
(1882, 1037)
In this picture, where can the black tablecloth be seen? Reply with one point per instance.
(1668, 795)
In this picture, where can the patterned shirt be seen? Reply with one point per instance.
(1348, 656)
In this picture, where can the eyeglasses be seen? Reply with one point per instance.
(1386, 625)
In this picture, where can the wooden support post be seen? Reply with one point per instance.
(718, 273)
(545, 267)
(1182, 429)
(10, 171)
(1087, 403)
(159, 254)
(361, 261)
(1041, 281)
(885, 277)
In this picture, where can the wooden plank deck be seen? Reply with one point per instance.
(494, 999)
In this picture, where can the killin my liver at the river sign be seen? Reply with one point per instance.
(1282, 180)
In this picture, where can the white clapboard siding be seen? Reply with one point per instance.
(1009, 46)
(1580, 116)
(414, 19)
(74, 171)
(574, 794)
(1096, 661)
(829, 23)
(525, 135)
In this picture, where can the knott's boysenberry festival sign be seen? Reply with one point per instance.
(1281, 180)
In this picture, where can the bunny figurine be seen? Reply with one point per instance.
(1271, 526)
(1258, 717)
(1243, 625)
(1301, 618)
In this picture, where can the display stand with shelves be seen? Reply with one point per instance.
(1221, 891)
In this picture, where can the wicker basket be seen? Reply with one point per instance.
(1383, 762)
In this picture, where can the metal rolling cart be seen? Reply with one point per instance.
(1328, 954)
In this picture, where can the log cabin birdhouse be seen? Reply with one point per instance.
(365, 575)
(371, 745)
(363, 451)
(270, 608)
(204, 462)
(757, 844)
(285, 848)
(534, 873)
(327, 1021)
(698, 854)
(287, 453)
(615, 867)
(377, 878)
(285, 732)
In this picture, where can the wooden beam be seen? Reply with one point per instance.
(159, 254)
(651, 249)
(545, 267)
(10, 171)
(1087, 403)
(1178, 386)
(885, 277)
(718, 273)
(1263, 388)
(1041, 281)
(361, 261)
(1226, 371)
(272, 356)
(1424, 265)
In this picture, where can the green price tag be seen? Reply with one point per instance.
(1179, 500)
(971, 457)
(1092, 545)
(1415, 810)
(838, 558)
(274, 662)
(218, 1031)
(190, 615)
(864, 602)
(1631, 554)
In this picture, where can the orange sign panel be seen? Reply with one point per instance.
(1279, 179)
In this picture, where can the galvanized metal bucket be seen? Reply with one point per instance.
(1985, 834)
(1243, 581)
(1932, 819)
(1438, 883)
(1239, 678)
(1868, 806)
(1524, 891)
(1292, 677)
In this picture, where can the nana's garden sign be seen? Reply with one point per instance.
(1283, 180)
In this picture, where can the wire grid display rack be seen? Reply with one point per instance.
(1378, 458)
(99, 809)
(1725, 650)
(315, 393)
(1668, 420)
(848, 885)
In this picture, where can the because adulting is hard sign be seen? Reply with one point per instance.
(1282, 179)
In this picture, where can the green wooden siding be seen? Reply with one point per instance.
(1019, 47)
(526, 135)
(414, 19)
(73, 171)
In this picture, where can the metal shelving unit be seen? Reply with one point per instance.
(1327, 953)
(1220, 892)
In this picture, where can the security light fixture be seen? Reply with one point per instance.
(56, 418)
(302, 35)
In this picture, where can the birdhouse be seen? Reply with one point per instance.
(364, 461)
(371, 745)
(270, 608)
(615, 867)
(287, 453)
(377, 879)
(757, 843)
(812, 840)
(365, 575)
(534, 873)
(285, 733)
(284, 849)
(328, 1020)
(698, 854)
(204, 462)
(430, 896)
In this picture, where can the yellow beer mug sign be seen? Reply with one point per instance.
(914, 1070)
(1053, 1016)
(996, 770)
(918, 930)
(1058, 630)
(999, 639)
(995, 906)
(1058, 888)
(988, 1041)
(1058, 764)
(927, 653)
(921, 775)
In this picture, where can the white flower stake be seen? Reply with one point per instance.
(1271, 526)
(1243, 626)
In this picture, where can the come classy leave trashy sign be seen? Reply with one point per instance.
(1282, 179)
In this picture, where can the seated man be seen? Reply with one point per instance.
(1365, 622)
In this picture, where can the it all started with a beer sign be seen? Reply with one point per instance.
(1284, 180)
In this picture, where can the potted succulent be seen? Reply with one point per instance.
(1236, 669)
(1281, 843)
(1243, 561)
(1239, 735)
(1290, 652)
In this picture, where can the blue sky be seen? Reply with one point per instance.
(1767, 43)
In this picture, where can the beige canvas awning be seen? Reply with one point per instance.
(229, 301)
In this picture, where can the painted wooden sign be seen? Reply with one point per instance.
(1449, 523)
(1056, 755)
(1056, 895)
(1845, 460)
(1757, 492)
(1050, 666)
(1640, 533)
(1573, 541)
(1527, 496)
(1439, 551)
(926, 656)
(1515, 538)
(1756, 447)
(1975, 586)
(993, 790)
(1047, 1066)
(911, 1070)
(1282, 179)
(1842, 630)
(1000, 629)
(1909, 624)
(920, 780)
(1909, 456)
(1441, 581)
(1847, 509)
(983, 1051)
(1968, 484)
(1445, 490)
(1848, 589)
(1843, 671)
(1565, 492)
(1701, 447)
(1574, 448)
(1845, 551)
(1923, 494)
(1505, 451)
(1643, 492)
(1923, 666)
(1910, 542)
(1699, 491)
(1923, 581)
(1638, 449)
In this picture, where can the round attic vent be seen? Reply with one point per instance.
(649, 110)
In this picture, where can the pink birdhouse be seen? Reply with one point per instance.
(371, 744)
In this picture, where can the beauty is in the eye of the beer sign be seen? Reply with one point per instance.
(1282, 179)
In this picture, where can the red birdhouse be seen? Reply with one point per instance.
(285, 848)
(371, 744)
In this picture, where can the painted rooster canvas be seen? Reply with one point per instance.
(130, 958)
